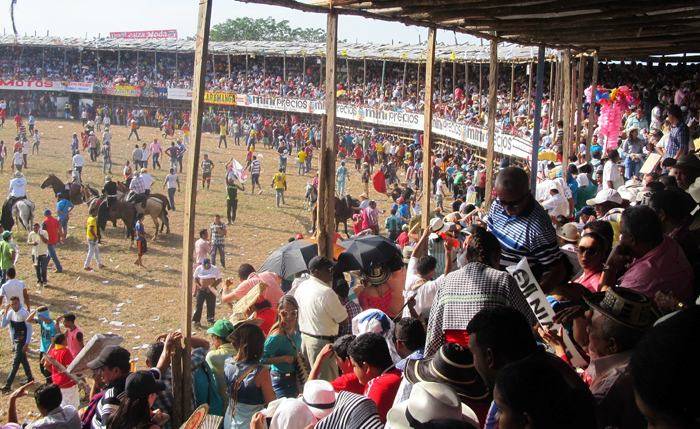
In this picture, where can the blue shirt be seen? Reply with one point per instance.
(678, 140)
(341, 174)
(48, 330)
(62, 208)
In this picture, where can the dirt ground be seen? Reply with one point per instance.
(122, 298)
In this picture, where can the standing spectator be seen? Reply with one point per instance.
(612, 179)
(48, 329)
(207, 167)
(17, 160)
(113, 364)
(7, 255)
(74, 335)
(255, 170)
(206, 278)
(141, 245)
(93, 251)
(134, 127)
(63, 208)
(37, 142)
(202, 247)
(145, 155)
(15, 316)
(38, 239)
(232, 187)
(279, 183)
(223, 129)
(341, 177)
(342, 289)
(440, 191)
(172, 182)
(221, 349)
(136, 157)
(78, 162)
(679, 137)
(282, 347)
(155, 149)
(106, 158)
(60, 354)
(172, 153)
(218, 238)
(321, 312)
(3, 155)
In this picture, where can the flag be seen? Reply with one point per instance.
(236, 168)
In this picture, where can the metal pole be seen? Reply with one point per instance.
(284, 67)
(177, 71)
(491, 124)
(246, 65)
(65, 60)
(442, 80)
(347, 65)
(538, 119)
(579, 95)
(427, 129)
(512, 90)
(364, 73)
(326, 174)
(228, 63)
(383, 73)
(591, 107)
(417, 76)
(403, 86)
(200, 71)
(155, 62)
(454, 76)
(119, 59)
(479, 100)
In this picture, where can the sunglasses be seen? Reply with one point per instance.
(289, 312)
(586, 249)
(514, 203)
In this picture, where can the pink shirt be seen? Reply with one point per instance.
(202, 249)
(156, 148)
(273, 291)
(590, 280)
(72, 341)
(665, 268)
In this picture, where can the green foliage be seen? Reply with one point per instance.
(264, 29)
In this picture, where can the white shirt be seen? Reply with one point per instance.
(556, 205)
(13, 287)
(78, 160)
(18, 187)
(212, 273)
(41, 248)
(25, 147)
(17, 158)
(147, 180)
(320, 310)
(171, 181)
(439, 185)
(582, 180)
(611, 173)
(424, 294)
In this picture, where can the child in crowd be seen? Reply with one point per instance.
(74, 335)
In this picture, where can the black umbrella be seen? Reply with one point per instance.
(291, 258)
(362, 253)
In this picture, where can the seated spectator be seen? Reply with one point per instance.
(375, 370)
(556, 204)
(48, 402)
(655, 263)
(420, 286)
(592, 251)
(432, 405)
(347, 380)
(113, 365)
(409, 341)
(535, 392)
(664, 370)
(618, 320)
(608, 207)
(352, 411)
(463, 293)
(602, 227)
(134, 410)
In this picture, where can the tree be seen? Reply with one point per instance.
(264, 29)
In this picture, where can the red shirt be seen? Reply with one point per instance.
(382, 390)
(63, 356)
(268, 316)
(348, 383)
(51, 226)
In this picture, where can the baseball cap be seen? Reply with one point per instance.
(604, 196)
(140, 384)
(112, 357)
(222, 328)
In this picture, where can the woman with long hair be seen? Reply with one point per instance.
(248, 381)
(281, 348)
(134, 411)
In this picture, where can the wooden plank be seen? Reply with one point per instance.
(454, 77)
(591, 108)
(537, 119)
(480, 86)
(427, 128)
(529, 87)
(188, 236)
(326, 174)
(491, 124)
(512, 90)
(566, 101)
(578, 100)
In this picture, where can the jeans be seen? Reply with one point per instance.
(64, 226)
(156, 160)
(134, 132)
(106, 165)
(204, 295)
(284, 384)
(93, 253)
(171, 197)
(3, 275)
(41, 267)
(20, 357)
(220, 249)
(231, 208)
(222, 139)
(279, 197)
(632, 167)
(340, 188)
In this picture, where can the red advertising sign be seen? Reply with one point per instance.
(148, 34)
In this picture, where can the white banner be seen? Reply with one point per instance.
(179, 94)
(298, 105)
(81, 87)
(47, 85)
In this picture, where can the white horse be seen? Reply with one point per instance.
(23, 213)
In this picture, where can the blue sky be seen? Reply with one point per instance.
(78, 17)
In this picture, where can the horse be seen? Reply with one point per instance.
(344, 209)
(22, 214)
(156, 208)
(78, 193)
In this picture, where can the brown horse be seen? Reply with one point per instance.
(78, 194)
(344, 209)
(126, 211)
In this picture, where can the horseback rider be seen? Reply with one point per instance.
(110, 191)
(141, 187)
(18, 191)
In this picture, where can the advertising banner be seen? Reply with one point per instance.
(81, 87)
(285, 104)
(222, 98)
(30, 85)
(179, 94)
(148, 34)
(122, 90)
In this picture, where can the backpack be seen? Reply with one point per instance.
(206, 389)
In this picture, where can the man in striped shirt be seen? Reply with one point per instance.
(255, 169)
(524, 229)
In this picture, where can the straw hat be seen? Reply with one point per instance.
(430, 401)
(624, 306)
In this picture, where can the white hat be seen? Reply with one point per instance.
(569, 232)
(605, 195)
(629, 193)
(437, 226)
(319, 396)
(430, 401)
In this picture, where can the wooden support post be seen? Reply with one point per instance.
(417, 77)
(442, 80)
(403, 85)
(574, 88)
(347, 66)
(284, 67)
(228, 64)
(566, 115)
(326, 174)
(155, 61)
(119, 58)
(466, 79)
(177, 71)
(200, 71)
(512, 90)
(303, 67)
(454, 77)
(491, 124)
(364, 73)
(591, 108)
(320, 73)
(480, 89)
(427, 130)
(538, 119)
(383, 75)
(554, 97)
(578, 100)
(530, 69)
(246, 65)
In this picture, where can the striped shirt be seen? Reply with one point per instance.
(463, 293)
(678, 140)
(530, 234)
(137, 185)
(352, 411)
(255, 167)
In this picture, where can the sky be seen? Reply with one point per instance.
(80, 17)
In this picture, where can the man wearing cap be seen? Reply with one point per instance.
(618, 320)
(320, 313)
(17, 191)
(221, 349)
(206, 278)
(679, 137)
(112, 367)
(138, 187)
(687, 170)
(524, 229)
(14, 316)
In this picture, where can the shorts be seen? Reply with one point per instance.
(206, 176)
